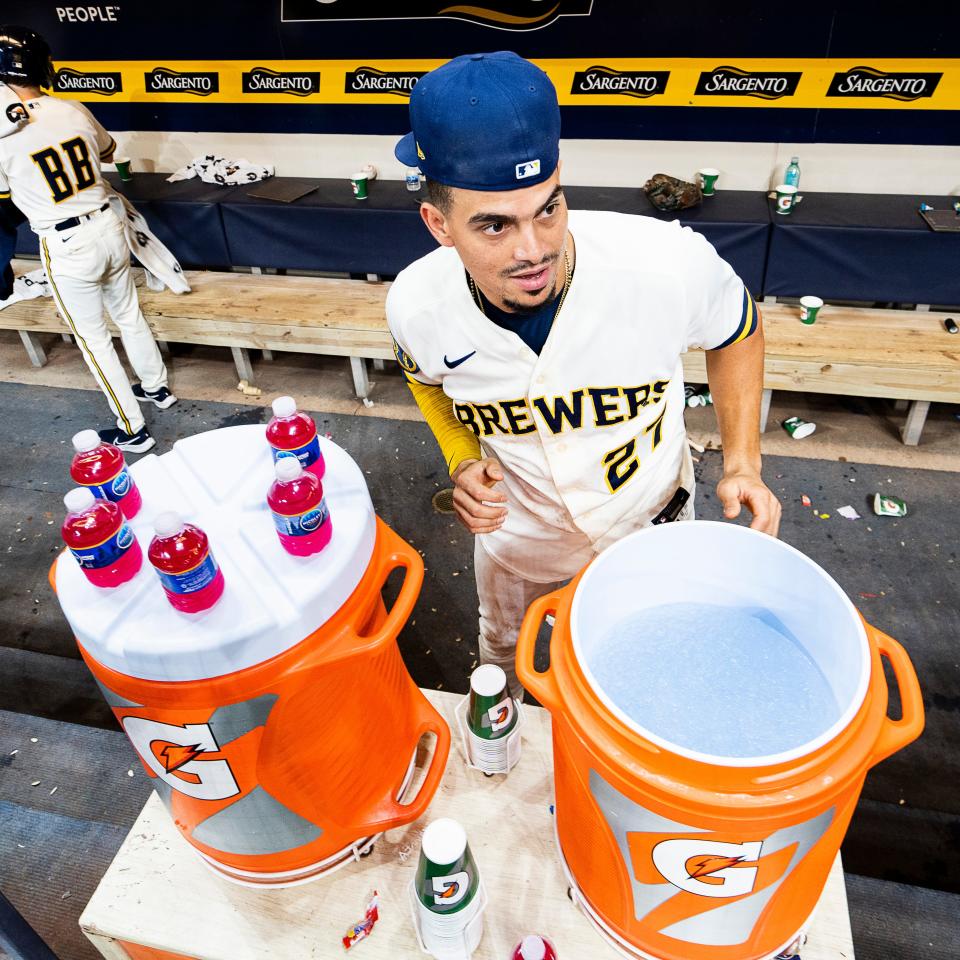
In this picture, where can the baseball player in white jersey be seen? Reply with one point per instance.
(544, 346)
(50, 170)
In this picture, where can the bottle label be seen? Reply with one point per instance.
(115, 489)
(108, 552)
(308, 454)
(190, 581)
(302, 524)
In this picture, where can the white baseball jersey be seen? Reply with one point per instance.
(50, 167)
(590, 433)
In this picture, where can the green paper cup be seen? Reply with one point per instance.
(447, 877)
(797, 428)
(492, 714)
(885, 506)
(123, 168)
(809, 308)
(359, 183)
(786, 198)
(708, 178)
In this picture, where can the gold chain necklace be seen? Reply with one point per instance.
(568, 278)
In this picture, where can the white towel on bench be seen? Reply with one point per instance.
(213, 169)
(28, 286)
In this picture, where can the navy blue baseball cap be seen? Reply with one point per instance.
(484, 121)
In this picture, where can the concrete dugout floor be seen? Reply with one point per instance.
(902, 574)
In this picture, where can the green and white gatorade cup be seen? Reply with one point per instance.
(884, 506)
(123, 168)
(447, 877)
(786, 198)
(359, 183)
(797, 428)
(708, 179)
(809, 308)
(492, 713)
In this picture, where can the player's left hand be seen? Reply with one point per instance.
(746, 487)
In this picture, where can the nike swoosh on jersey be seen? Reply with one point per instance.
(456, 363)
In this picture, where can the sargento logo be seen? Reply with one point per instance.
(372, 80)
(165, 80)
(734, 82)
(870, 82)
(68, 80)
(500, 14)
(265, 80)
(632, 83)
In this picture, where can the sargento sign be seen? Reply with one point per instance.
(870, 82)
(372, 80)
(165, 80)
(295, 83)
(632, 83)
(734, 82)
(501, 14)
(106, 83)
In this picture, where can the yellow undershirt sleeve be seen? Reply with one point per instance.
(457, 442)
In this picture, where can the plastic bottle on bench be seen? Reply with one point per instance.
(292, 433)
(299, 509)
(534, 947)
(101, 468)
(791, 175)
(181, 555)
(99, 539)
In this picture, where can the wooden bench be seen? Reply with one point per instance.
(901, 355)
(343, 318)
(897, 354)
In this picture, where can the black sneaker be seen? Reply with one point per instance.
(139, 442)
(161, 398)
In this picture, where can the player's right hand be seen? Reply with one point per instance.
(472, 483)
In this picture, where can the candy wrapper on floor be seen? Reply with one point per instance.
(363, 928)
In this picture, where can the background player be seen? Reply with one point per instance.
(544, 347)
(50, 170)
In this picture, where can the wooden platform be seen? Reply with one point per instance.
(158, 902)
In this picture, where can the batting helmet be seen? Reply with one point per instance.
(24, 57)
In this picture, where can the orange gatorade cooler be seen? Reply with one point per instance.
(713, 723)
(280, 727)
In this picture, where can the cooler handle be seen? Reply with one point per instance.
(896, 734)
(390, 812)
(391, 552)
(541, 685)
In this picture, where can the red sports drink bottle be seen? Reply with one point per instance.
(534, 948)
(299, 509)
(293, 433)
(180, 553)
(100, 467)
(103, 545)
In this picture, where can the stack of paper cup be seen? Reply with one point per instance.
(448, 896)
(492, 737)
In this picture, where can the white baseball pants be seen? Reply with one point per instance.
(88, 267)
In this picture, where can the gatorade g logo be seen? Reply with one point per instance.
(449, 891)
(696, 885)
(708, 869)
(177, 756)
(501, 714)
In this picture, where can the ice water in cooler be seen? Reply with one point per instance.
(299, 509)
(100, 467)
(720, 708)
(181, 555)
(292, 433)
(99, 539)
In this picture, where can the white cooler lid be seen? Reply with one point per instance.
(219, 481)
